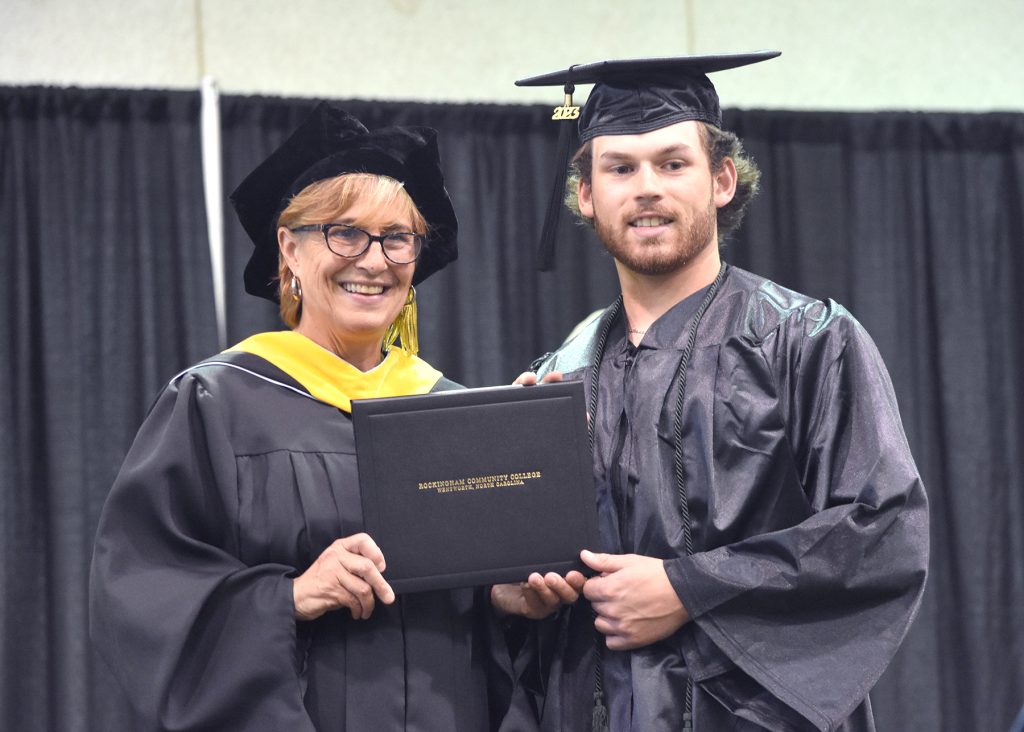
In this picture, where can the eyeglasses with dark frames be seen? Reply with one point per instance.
(345, 240)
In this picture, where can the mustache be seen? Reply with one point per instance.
(651, 212)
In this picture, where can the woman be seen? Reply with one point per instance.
(232, 586)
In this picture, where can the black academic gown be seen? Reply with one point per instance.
(235, 483)
(807, 518)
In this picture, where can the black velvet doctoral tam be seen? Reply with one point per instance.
(328, 143)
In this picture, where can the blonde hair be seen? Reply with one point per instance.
(326, 201)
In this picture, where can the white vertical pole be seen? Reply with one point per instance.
(213, 189)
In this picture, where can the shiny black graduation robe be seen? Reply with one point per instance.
(235, 483)
(807, 517)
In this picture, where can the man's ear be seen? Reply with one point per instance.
(725, 183)
(584, 198)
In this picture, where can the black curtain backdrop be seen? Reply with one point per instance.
(106, 293)
(915, 222)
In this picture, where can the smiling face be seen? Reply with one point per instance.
(654, 199)
(348, 303)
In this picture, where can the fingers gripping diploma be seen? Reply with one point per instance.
(528, 378)
(538, 596)
(346, 574)
(633, 599)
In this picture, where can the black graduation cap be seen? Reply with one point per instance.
(328, 143)
(630, 97)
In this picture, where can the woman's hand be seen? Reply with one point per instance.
(538, 596)
(346, 574)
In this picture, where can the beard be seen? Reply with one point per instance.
(659, 255)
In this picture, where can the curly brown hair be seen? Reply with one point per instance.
(718, 145)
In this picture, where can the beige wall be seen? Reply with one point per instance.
(871, 54)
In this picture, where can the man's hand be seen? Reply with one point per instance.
(346, 574)
(633, 599)
(528, 378)
(538, 596)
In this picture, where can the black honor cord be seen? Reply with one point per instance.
(599, 713)
(677, 457)
(599, 718)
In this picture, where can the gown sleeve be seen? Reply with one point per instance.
(197, 639)
(805, 617)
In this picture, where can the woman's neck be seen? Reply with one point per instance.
(364, 354)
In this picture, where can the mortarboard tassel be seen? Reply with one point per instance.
(567, 114)
(599, 715)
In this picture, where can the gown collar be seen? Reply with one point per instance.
(335, 381)
(670, 330)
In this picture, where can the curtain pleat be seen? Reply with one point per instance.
(913, 221)
(106, 292)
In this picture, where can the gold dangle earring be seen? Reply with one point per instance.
(296, 287)
(404, 328)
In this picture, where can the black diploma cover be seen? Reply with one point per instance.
(476, 486)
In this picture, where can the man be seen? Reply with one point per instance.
(764, 528)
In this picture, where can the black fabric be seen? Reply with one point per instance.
(633, 96)
(234, 485)
(808, 518)
(105, 262)
(914, 221)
